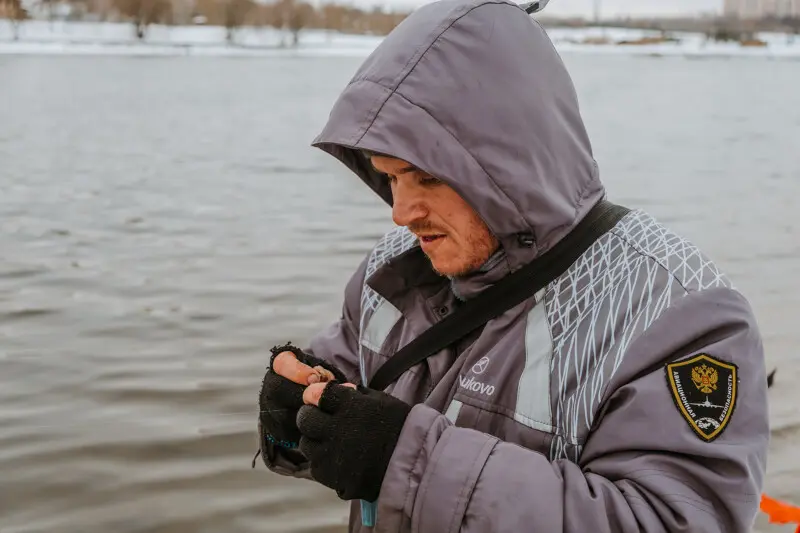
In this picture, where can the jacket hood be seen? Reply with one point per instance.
(474, 93)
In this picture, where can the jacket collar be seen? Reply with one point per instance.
(413, 271)
(493, 270)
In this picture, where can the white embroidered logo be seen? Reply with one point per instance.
(475, 386)
(480, 366)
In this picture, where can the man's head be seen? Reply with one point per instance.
(450, 232)
(474, 93)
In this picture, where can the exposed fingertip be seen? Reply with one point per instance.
(313, 393)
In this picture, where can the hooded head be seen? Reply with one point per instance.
(473, 93)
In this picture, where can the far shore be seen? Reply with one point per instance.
(39, 37)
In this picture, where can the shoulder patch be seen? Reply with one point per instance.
(704, 390)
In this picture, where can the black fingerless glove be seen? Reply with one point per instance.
(279, 400)
(349, 439)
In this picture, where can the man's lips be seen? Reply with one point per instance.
(431, 238)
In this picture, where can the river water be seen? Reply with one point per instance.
(163, 223)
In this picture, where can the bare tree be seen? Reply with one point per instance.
(237, 13)
(49, 7)
(333, 17)
(271, 15)
(142, 13)
(793, 27)
(15, 13)
(380, 22)
(300, 15)
(290, 15)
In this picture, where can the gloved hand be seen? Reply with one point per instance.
(350, 437)
(279, 400)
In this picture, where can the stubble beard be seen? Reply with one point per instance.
(480, 245)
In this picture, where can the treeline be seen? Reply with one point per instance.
(14, 12)
(291, 16)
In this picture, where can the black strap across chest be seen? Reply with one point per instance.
(502, 296)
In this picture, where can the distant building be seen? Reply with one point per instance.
(756, 9)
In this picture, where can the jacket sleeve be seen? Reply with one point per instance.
(338, 345)
(643, 468)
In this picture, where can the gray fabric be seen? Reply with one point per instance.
(558, 414)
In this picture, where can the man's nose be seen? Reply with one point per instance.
(407, 207)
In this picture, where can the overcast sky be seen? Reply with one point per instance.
(608, 7)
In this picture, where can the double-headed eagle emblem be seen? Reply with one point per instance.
(705, 378)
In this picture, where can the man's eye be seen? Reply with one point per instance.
(429, 180)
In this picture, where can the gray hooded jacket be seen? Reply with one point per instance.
(628, 395)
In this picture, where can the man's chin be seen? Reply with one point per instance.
(451, 269)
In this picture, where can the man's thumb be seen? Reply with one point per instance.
(286, 364)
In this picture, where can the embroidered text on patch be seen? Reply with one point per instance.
(704, 390)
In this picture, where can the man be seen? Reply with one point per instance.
(629, 394)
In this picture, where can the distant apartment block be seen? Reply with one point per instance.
(756, 9)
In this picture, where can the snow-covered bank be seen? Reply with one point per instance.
(89, 38)
(777, 46)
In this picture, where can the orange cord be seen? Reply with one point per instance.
(780, 512)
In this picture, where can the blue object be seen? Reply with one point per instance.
(369, 512)
(281, 443)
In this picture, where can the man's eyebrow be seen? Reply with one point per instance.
(398, 172)
(406, 170)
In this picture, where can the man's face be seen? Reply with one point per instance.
(451, 233)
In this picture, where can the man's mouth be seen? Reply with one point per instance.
(430, 238)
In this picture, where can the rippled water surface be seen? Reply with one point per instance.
(163, 222)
